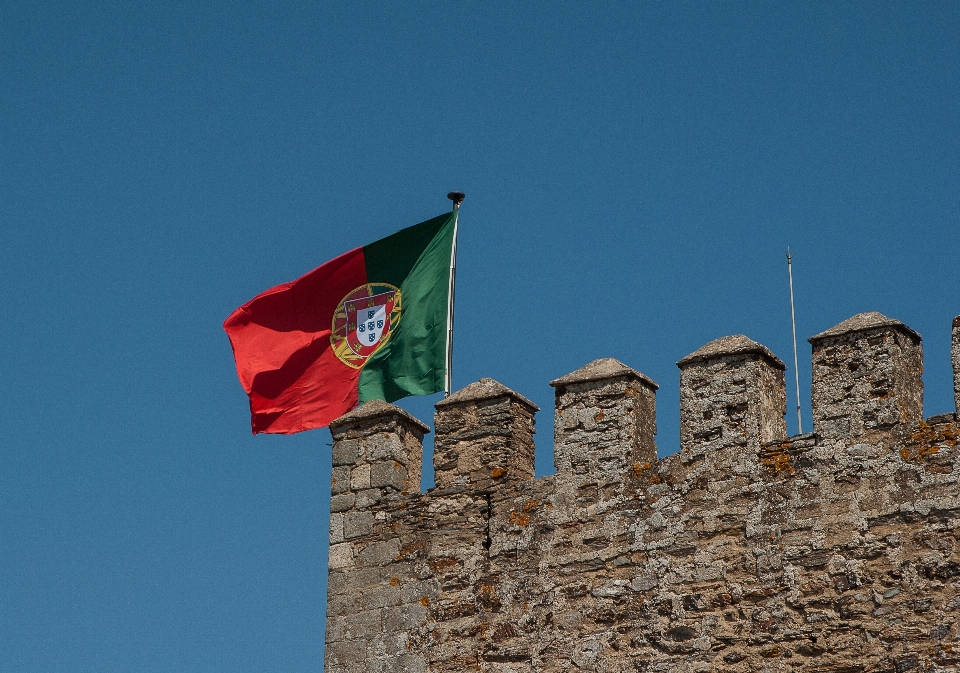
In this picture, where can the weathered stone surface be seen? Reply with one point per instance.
(738, 344)
(731, 395)
(605, 420)
(748, 551)
(357, 524)
(484, 436)
(602, 370)
(484, 389)
(373, 435)
(862, 322)
(377, 410)
(866, 378)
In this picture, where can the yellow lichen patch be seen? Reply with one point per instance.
(638, 468)
(529, 505)
(599, 417)
(778, 460)
(654, 479)
(919, 453)
(425, 601)
(519, 518)
(497, 472)
(394, 581)
(928, 435)
(926, 441)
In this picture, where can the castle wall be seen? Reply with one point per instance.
(747, 551)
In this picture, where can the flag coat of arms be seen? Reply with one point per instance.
(369, 324)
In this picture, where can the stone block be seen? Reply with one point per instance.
(484, 437)
(343, 604)
(357, 524)
(605, 420)
(363, 578)
(388, 473)
(385, 446)
(340, 480)
(405, 616)
(337, 581)
(345, 452)
(383, 596)
(380, 553)
(368, 498)
(396, 643)
(344, 653)
(336, 528)
(364, 626)
(335, 628)
(732, 394)
(341, 555)
(342, 502)
(360, 477)
(866, 378)
(416, 591)
(373, 433)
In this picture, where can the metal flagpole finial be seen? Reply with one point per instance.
(457, 198)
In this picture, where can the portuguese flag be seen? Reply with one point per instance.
(370, 324)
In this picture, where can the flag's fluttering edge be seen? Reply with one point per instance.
(370, 324)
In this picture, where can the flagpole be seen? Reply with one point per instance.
(793, 322)
(457, 198)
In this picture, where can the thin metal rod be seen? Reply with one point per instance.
(793, 322)
(448, 382)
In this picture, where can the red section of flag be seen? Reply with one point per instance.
(281, 343)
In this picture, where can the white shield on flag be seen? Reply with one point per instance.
(370, 324)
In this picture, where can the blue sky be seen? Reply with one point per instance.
(633, 171)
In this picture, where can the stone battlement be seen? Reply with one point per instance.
(748, 550)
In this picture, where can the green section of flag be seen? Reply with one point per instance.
(413, 361)
(391, 259)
